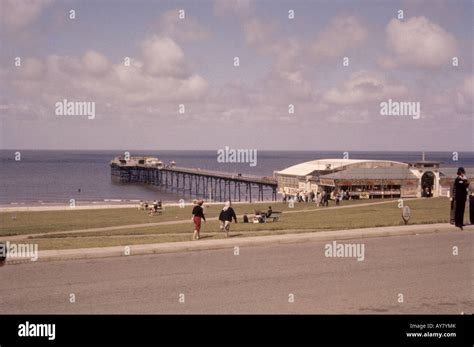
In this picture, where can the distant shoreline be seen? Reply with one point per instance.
(214, 150)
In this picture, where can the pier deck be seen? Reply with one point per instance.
(207, 184)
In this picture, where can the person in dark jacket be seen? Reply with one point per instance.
(269, 212)
(471, 203)
(198, 216)
(460, 194)
(325, 199)
(453, 204)
(225, 218)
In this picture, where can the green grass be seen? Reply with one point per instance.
(34, 222)
(425, 211)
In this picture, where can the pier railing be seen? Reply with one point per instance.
(206, 184)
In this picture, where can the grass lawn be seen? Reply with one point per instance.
(35, 222)
(423, 211)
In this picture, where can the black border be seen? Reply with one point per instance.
(239, 329)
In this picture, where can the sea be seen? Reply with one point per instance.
(43, 177)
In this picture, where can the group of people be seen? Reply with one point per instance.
(155, 207)
(226, 216)
(260, 216)
(320, 198)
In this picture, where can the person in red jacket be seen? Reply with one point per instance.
(198, 216)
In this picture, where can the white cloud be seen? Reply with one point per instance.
(18, 14)
(468, 86)
(182, 29)
(32, 69)
(465, 96)
(349, 116)
(155, 79)
(342, 34)
(418, 42)
(163, 57)
(287, 67)
(95, 62)
(386, 62)
(286, 74)
(364, 86)
(291, 85)
(258, 33)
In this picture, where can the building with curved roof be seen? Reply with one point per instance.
(331, 165)
(361, 178)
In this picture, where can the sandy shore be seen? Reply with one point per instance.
(21, 208)
(96, 206)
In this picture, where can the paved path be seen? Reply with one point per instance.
(259, 280)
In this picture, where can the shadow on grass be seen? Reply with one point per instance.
(205, 237)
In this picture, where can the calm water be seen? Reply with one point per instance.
(56, 176)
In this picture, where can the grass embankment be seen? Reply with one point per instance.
(35, 222)
(295, 220)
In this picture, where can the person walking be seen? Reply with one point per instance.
(460, 194)
(453, 204)
(154, 209)
(471, 203)
(325, 199)
(198, 216)
(225, 218)
(318, 199)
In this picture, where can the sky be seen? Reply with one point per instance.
(158, 81)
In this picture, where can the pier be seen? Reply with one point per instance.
(206, 184)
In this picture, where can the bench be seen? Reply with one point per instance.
(274, 217)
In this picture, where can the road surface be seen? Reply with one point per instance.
(420, 270)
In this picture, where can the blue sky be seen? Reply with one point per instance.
(190, 61)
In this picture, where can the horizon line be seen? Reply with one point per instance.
(212, 150)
